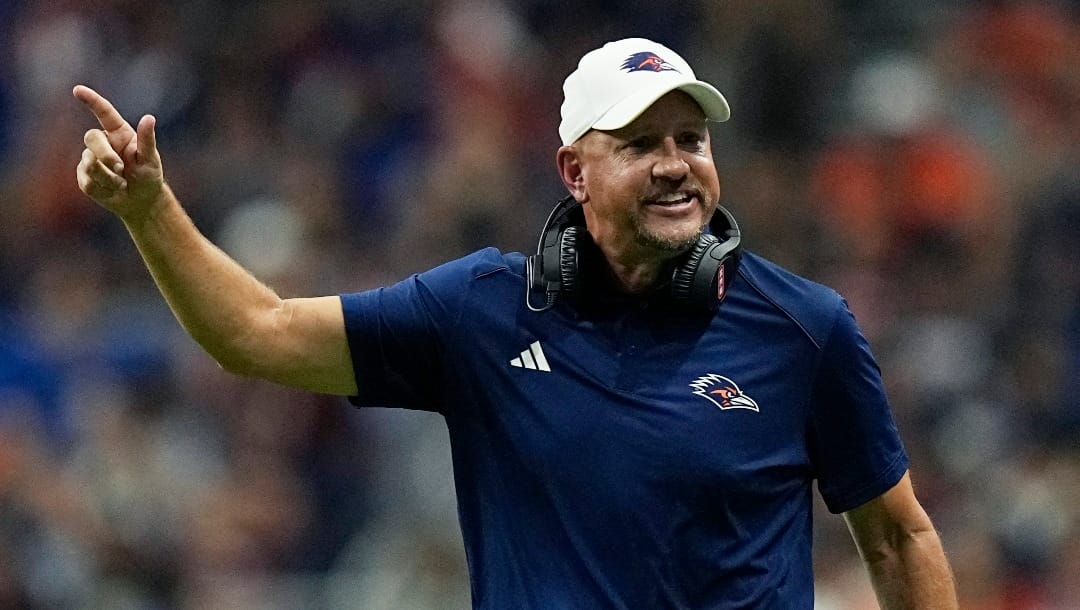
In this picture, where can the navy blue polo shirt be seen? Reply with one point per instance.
(634, 458)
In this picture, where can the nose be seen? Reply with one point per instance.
(670, 165)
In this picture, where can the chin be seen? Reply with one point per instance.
(670, 242)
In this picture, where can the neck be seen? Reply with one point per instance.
(637, 275)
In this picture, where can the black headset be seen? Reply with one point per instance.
(699, 281)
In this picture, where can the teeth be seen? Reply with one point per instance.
(672, 198)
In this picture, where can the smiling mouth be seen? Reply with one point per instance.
(673, 200)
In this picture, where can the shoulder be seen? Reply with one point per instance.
(442, 295)
(812, 306)
(481, 268)
(487, 275)
(480, 264)
(448, 283)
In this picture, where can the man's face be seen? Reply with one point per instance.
(651, 186)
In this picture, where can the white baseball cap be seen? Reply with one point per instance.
(614, 84)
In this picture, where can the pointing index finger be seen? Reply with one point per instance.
(106, 113)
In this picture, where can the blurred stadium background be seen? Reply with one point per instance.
(920, 156)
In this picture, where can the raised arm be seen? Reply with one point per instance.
(241, 323)
(902, 551)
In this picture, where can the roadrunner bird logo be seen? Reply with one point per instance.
(722, 392)
(646, 61)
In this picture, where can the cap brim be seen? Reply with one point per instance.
(712, 103)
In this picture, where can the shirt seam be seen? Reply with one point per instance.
(783, 310)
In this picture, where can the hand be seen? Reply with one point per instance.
(120, 167)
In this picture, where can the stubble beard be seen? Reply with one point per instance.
(662, 243)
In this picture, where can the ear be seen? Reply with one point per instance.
(569, 161)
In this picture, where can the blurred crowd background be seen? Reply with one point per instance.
(921, 157)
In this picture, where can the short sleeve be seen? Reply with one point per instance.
(398, 335)
(856, 449)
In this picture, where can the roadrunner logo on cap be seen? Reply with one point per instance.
(722, 392)
(646, 61)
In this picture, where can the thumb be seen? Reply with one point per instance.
(146, 152)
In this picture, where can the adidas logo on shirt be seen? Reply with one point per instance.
(532, 358)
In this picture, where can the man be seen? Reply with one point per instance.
(636, 413)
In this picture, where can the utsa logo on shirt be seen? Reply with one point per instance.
(722, 392)
(646, 61)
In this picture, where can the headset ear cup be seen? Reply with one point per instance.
(683, 279)
(568, 261)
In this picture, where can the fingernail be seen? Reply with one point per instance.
(118, 167)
